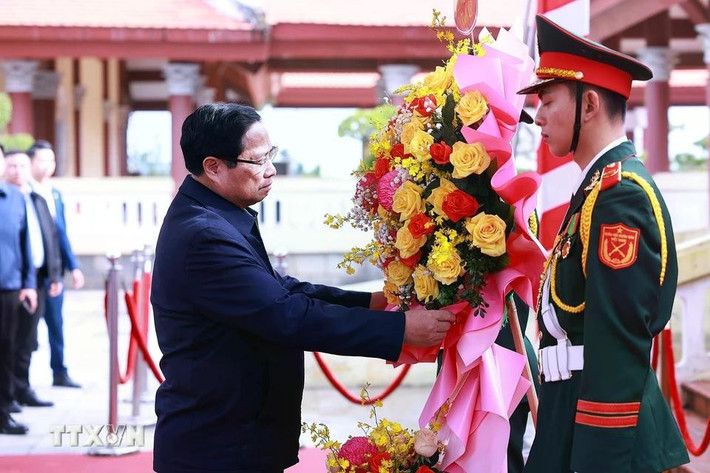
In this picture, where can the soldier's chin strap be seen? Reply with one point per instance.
(577, 118)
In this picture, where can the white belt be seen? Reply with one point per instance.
(558, 361)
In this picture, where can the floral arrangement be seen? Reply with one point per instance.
(385, 447)
(450, 222)
(439, 227)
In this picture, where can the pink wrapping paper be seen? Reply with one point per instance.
(480, 382)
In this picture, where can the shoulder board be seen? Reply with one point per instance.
(611, 175)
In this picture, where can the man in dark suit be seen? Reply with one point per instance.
(610, 280)
(44, 244)
(232, 330)
(43, 166)
(17, 285)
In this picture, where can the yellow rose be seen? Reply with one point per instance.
(407, 200)
(390, 289)
(439, 80)
(408, 132)
(421, 121)
(448, 270)
(436, 198)
(425, 285)
(406, 243)
(419, 145)
(399, 274)
(468, 159)
(488, 233)
(472, 107)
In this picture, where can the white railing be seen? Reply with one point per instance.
(692, 299)
(123, 214)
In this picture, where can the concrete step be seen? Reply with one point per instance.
(697, 397)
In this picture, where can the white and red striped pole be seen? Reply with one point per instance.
(558, 174)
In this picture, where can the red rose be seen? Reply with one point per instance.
(397, 151)
(412, 261)
(458, 205)
(420, 225)
(425, 106)
(424, 469)
(440, 152)
(382, 166)
(376, 460)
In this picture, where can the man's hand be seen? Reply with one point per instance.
(425, 328)
(31, 296)
(77, 278)
(378, 301)
(55, 288)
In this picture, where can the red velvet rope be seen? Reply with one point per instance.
(356, 399)
(676, 403)
(137, 338)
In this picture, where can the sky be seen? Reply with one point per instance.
(310, 136)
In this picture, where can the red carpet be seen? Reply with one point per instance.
(312, 461)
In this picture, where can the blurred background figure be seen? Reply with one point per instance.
(43, 166)
(17, 283)
(44, 247)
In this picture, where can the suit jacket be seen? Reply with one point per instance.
(69, 262)
(52, 268)
(610, 416)
(233, 334)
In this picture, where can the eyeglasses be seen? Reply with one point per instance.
(269, 156)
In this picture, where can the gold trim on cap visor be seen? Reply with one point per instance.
(559, 73)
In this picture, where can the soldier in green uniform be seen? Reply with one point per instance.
(609, 283)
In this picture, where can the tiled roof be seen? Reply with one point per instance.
(152, 14)
(384, 12)
(216, 14)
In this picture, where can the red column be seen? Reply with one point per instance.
(182, 80)
(19, 82)
(180, 107)
(657, 98)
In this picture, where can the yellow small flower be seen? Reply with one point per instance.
(407, 200)
(472, 107)
(487, 233)
(469, 159)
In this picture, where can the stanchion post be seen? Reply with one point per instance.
(138, 307)
(113, 377)
(146, 275)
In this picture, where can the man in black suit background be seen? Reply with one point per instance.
(44, 244)
(17, 284)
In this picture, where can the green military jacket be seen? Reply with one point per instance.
(613, 280)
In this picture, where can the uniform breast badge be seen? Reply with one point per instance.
(566, 242)
(618, 245)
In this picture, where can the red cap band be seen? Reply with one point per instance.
(595, 73)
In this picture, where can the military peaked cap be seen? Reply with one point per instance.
(567, 56)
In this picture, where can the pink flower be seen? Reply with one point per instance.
(366, 191)
(388, 185)
(357, 451)
(425, 443)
